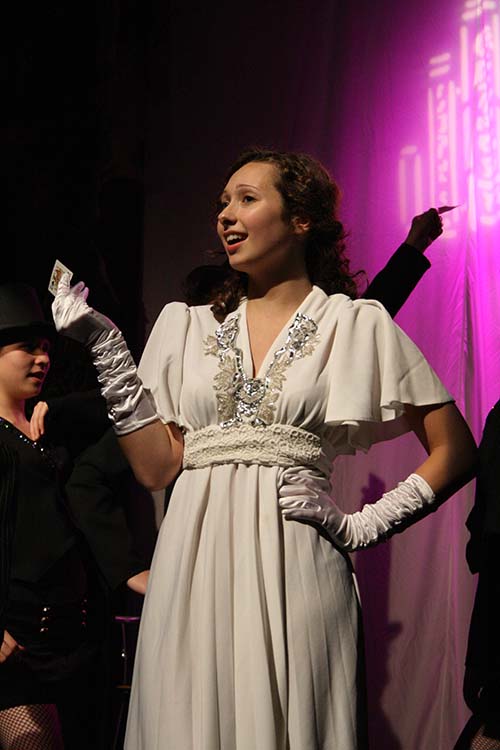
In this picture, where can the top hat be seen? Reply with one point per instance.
(21, 314)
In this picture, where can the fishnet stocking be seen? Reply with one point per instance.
(481, 742)
(34, 727)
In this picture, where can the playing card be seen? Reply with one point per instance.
(445, 209)
(55, 276)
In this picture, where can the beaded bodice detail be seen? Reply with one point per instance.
(13, 430)
(244, 400)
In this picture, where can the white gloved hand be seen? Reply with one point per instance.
(74, 318)
(130, 407)
(306, 500)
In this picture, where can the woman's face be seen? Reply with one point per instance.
(23, 368)
(251, 223)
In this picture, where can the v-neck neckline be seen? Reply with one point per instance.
(20, 432)
(248, 360)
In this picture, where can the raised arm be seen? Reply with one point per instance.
(153, 450)
(155, 453)
(396, 281)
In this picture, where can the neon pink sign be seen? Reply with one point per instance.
(461, 164)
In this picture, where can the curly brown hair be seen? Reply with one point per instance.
(307, 192)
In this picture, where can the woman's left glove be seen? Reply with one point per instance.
(130, 406)
(304, 499)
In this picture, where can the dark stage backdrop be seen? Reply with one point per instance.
(401, 101)
(224, 78)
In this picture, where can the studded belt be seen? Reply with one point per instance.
(61, 625)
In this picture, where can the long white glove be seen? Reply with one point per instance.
(130, 406)
(305, 499)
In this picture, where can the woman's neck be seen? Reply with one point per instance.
(281, 294)
(14, 411)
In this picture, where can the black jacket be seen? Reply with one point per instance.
(396, 281)
(65, 490)
(483, 556)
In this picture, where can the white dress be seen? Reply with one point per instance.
(250, 633)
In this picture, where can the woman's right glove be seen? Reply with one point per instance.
(303, 498)
(130, 406)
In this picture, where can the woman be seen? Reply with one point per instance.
(51, 668)
(250, 635)
(26, 715)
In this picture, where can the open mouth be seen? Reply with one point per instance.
(235, 238)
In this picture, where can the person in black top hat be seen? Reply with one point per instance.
(28, 497)
(51, 550)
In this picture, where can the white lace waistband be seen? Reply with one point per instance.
(274, 445)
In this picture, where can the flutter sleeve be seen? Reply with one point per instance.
(161, 367)
(374, 370)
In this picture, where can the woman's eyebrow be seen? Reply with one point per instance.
(246, 185)
(240, 185)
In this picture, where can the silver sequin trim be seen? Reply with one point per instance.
(245, 400)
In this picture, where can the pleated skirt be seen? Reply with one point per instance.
(250, 636)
